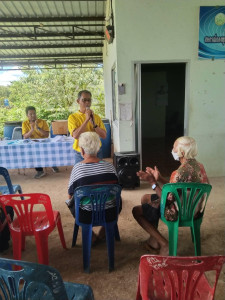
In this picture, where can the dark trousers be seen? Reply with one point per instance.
(5, 233)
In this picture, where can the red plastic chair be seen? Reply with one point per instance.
(29, 221)
(178, 278)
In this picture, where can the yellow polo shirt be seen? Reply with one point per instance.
(76, 120)
(36, 133)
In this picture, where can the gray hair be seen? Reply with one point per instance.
(188, 146)
(90, 142)
(85, 92)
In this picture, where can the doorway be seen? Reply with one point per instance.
(162, 111)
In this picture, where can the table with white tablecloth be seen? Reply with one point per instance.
(37, 153)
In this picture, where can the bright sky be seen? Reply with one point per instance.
(7, 76)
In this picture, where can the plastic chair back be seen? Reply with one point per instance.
(17, 133)
(178, 278)
(189, 197)
(35, 281)
(32, 216)
(9, 189)
(98, 195)
(26, 220)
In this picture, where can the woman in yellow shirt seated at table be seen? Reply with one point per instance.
(34, 128)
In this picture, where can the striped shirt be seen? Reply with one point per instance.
(102, 172)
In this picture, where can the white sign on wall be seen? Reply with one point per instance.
(125, 111)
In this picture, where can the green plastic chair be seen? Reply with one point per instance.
(187, 197)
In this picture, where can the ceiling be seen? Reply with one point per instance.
(51, 33)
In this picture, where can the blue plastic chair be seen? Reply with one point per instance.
(9, 188)
(36, 281)
(98, 195)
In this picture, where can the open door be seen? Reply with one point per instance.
(160, 112)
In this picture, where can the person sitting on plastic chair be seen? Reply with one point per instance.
(92, 170)
(148, 213)
(34, 128)
(4, 228)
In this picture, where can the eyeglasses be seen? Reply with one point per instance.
(86, 100)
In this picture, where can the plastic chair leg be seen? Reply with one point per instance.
(42, 248)
(75, 233)
(23, 243)
(86, 242)
(110, 234)
(173, 238)
(17, 246)
(197, 236)
(61, 234)
(116, 232)
(138, 296)
(192, 234)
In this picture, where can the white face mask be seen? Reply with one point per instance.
(175, 155)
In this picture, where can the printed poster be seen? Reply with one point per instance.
(211, 32)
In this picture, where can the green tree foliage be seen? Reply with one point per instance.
(53, 93)
(4, 94)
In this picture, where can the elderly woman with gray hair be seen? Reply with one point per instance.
(148, 213)
(92, 170)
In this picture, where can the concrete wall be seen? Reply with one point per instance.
(167, 31)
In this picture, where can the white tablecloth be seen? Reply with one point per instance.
(42, 153)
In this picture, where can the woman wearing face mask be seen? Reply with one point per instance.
(148, 214)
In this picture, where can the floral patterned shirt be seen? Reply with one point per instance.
(189, 171)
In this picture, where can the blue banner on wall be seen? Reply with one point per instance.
(211, 32)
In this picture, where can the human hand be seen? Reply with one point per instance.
(36, 124)
(146, 177)
(32, 125)
(89, 113)
(155, 172)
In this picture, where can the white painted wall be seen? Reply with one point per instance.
(167, 31)
(110, 60)
(109, 57)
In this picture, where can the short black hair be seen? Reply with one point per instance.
(30, 108)
(84, 91)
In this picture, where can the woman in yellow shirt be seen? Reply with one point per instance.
(34, 128)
